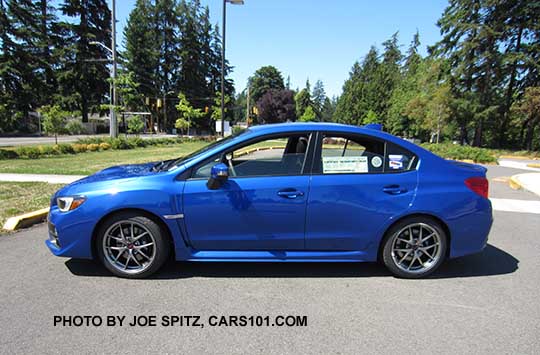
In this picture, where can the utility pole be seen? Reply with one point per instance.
(223, 69)
(113, 124)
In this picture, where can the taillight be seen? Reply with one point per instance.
(478, 184)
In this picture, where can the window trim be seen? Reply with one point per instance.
(306, 167)
(317, 156)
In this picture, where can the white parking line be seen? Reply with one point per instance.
(520, 206)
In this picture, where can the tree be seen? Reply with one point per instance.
(360, 92)
(329, 108)
(135, 125)
(264, 79)
(82, 80)
(216, 108)
(186, 112)
(309, 115)
(142, 48)
(54, 119)
(303, 100)
(318, 97)
(276, 106)
(529, 107)
(182, 125)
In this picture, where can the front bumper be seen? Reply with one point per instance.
(69, 233)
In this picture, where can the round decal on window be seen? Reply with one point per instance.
(376, 162)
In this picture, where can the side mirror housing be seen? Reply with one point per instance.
(218, 175)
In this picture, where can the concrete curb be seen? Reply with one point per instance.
(516, 157)
(528, 181)
(26, 220)
(534, 165)
(514, 183)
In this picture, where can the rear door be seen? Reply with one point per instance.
(359, 183)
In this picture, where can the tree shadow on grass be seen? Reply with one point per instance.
(492, 261)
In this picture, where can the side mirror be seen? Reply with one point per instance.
(218, 175)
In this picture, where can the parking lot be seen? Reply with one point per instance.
(485, 303)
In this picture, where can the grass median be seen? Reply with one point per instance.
(90, 162)
(21, 197)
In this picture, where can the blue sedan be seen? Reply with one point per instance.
(300, 192)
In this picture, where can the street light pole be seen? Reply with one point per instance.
(113, 129)
(234, 2)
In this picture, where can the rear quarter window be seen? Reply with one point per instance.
(398, 159)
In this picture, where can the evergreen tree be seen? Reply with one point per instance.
(318, 97)
(303, 100)
(83, 80)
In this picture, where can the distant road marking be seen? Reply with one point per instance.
(520, 206)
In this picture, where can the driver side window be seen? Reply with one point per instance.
(275, 156)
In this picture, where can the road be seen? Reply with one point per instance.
(16, 141)
(485, 303)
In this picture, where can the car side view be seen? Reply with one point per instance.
(295, 192)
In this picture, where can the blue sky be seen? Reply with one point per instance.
(313, 39)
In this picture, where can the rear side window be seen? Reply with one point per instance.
(351, 155)
(399, 159)
(355, 154)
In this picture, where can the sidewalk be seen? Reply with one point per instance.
(518, 164)
(51, 179)
(528, 181)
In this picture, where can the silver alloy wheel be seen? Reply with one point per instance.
(129, 247)
(416, 248)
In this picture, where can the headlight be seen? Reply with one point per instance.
(69, 203)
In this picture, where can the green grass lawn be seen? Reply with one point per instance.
(90, 162)
(21, 197)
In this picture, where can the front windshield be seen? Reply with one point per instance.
(206, 148)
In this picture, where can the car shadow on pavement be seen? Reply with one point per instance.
(492, 261)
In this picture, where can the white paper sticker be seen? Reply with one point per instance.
(376, 162)
(343, 165)
(396, 161)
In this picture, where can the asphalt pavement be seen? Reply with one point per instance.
(484, 303)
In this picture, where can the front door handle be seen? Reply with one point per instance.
(394, 189)
(290, 193)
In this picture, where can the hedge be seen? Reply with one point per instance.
(462, 152)
(91, 144)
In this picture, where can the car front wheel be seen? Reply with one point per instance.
(414, 247)
(132, 245)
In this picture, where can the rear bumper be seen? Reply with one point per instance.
(469, 233)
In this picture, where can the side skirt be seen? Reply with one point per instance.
(273, 256)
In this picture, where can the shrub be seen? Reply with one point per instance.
(92, 147)
(29, 152)
(122, 143)
(75, 127)
(48, 150)
(104, 146)
(79, 148)
(459, 152)
(8, 154)
(65, 148)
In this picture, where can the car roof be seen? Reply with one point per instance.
(318, 126)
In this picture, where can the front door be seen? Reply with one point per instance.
(261, 206)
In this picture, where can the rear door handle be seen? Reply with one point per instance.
(394, 189)
(290, 193)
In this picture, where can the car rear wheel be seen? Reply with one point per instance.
(414, 247)
(132, 245)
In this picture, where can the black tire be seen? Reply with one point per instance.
(142, 224)
(392, 259)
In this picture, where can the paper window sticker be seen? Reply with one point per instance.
(343, 165)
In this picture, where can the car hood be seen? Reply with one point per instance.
(113, 175)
